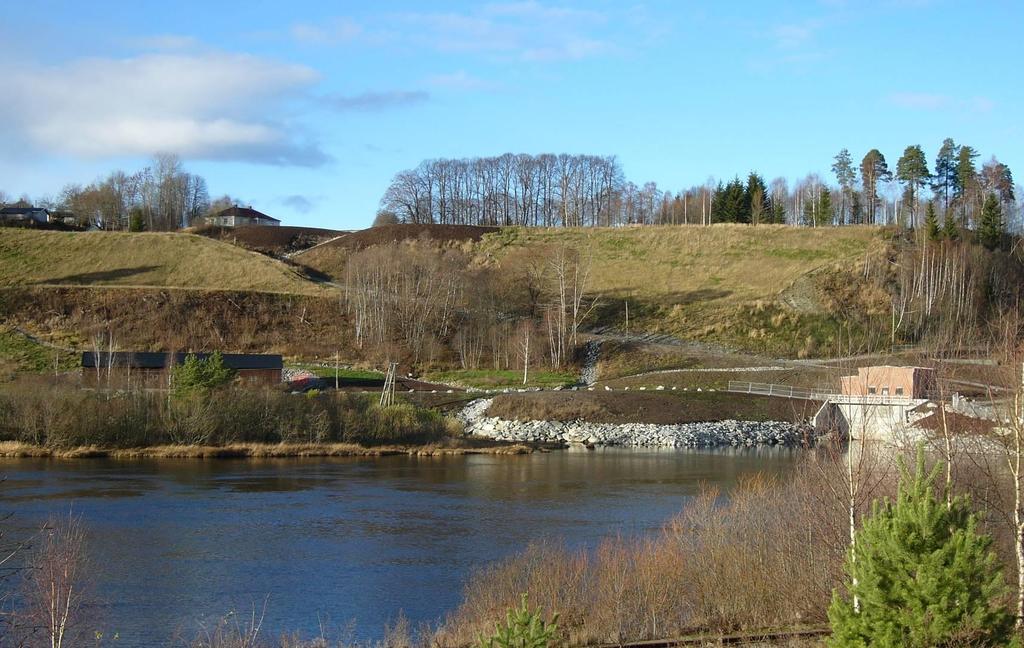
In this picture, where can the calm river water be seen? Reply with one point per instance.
(177, 544)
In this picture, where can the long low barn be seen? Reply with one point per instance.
(122, 367)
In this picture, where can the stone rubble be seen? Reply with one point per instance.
(639, 435)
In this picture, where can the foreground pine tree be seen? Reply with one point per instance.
(920, 575)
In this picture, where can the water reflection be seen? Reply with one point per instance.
(351, 538)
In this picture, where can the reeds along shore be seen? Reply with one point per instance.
(40, 419)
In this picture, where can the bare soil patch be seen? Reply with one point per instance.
(272, 241)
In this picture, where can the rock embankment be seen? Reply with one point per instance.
(639, 435)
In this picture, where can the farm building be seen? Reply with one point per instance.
(36, 215)
(239, 216)
(121, 368)
(889, 381)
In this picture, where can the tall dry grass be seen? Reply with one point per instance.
(60, 417)
(768, 556)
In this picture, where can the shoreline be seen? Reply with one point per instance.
(18, 450)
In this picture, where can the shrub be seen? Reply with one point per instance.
(920, 575)
(200, 375)
(524, 628)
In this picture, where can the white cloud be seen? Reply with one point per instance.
(213, 106)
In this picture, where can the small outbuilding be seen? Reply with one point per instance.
(150, 369)
(888, 381)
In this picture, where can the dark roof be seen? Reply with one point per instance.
(245, 212)
(21, 210)
(159, 360)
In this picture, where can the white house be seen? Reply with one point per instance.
(238, 216)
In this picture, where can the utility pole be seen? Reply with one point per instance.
(336, 370)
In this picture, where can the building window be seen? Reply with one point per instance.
(885, 391)
(899, 391)
(872, 390)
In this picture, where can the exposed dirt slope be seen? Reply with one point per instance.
(272, 241)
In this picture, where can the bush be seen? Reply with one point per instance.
(59, 417)
(200, 375)
(920, 575)
(524, 628)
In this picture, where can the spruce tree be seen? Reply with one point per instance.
(931, 223)
(922, 576)
(991, 226)
(949, 228)
(825, 210)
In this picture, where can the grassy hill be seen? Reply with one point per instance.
(151, 260)
(746, 287)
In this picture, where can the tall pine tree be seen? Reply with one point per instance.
(922, 576)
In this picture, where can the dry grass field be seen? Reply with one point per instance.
(686, 264)
(150, 260)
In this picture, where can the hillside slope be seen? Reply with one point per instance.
(164, 260)
(749, 287)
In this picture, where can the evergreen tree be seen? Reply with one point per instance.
(846, 176)
(945, 171)
(912, 171)
(922, 576)
(756, 199)
(991, 226)
(964, 188)
(873, 169)
(949, 228)
(824, 210)
(778, 212)
(200, 376)
(730, 204)
(931, 223)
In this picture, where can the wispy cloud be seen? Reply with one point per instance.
(210, 106)
(372, 101)
(164, 42)
(299, 203)
(926, 101)
(529, 31)
(335, 31)
(794, 35)
(460, 80)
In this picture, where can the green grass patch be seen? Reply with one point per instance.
(491, 379)
(19, 353)
(342, 373)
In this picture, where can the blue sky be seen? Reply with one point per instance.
(307, 109)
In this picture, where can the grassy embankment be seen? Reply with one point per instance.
(150, 260)
(744, 287)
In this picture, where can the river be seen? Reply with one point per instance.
(175, 545)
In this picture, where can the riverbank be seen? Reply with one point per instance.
(477, 422)
(16, 450)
